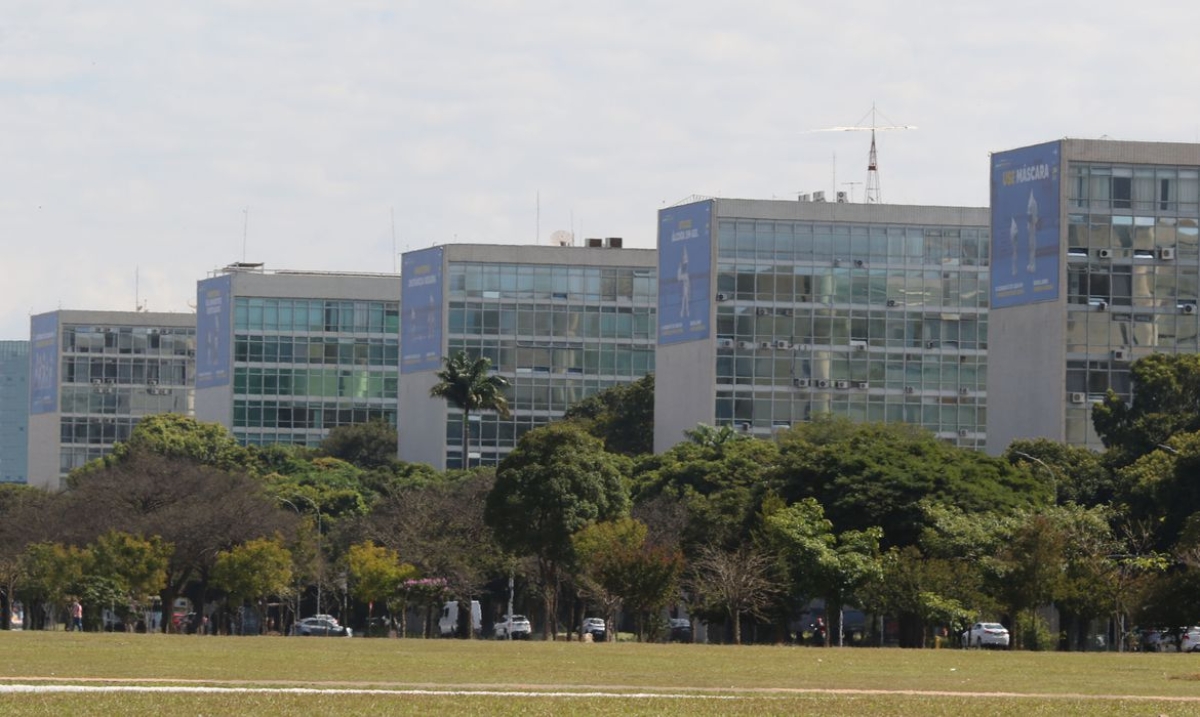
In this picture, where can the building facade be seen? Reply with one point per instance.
(94, 374)
(1096, 247)
(14, 411)
(560, 323)
(773, 312)
(286, 356)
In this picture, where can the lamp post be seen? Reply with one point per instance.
(1043, 464)
(317, 510)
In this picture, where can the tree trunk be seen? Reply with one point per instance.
(737, 626)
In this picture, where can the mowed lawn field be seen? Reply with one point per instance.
(104, 674)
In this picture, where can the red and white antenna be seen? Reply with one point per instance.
(874, 194)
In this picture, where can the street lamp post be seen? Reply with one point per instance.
(1043, 464)
(317, 510)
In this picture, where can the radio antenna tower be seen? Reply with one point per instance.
(874, 193)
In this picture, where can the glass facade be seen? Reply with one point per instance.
(1133, 277)
(874, 322)
(558, 333)
(304, 366)
(112, 376)
(14, 411)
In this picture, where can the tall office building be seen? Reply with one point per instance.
(94, 375)
(285, 356)
(773, 312)
(559, 322)
(14, 410)
(1096, 263)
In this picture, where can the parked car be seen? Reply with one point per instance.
(321, 626)
(1189, 639)
(1184, 639)
(448, 622)
(679, 629)
(986, 634)
(595, 627)
(519, 627)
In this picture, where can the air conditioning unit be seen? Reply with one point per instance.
(842, 198)
(762, 312)
(822, 383)
(96, 382)
(931, 344)
(1187, 308)
(781, 344)
(891, 303)
(1120, 355)
(724, 343)
(863, 384)
(841, 384)
(963, 433)
(1166, 253)
(745, 344)
(1078, 397)
(800, 382)
(910, 389)
(152, 382)
(1104, 253)
(722, 297)
(858, 344)
(764, 344)
(745, 427)
(1101, 306)
(859, 263)
(964, 392)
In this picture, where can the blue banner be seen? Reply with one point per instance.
(1025, 225)
(214, 331)
(684, 272)
(43, 363)
(421, 310)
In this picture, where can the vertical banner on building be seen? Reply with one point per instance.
(421, 310)
(214, 331)
(43, 363)
(1025, 225)
(684, 272)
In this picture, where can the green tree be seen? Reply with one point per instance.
(49, 571)
(1074, 473)
(470, 386)
(367, 445)
(254, 570)
(558, 480)
(622, 416)
(376, 573)
(1166, 402)
(176, 436)
(136, 566)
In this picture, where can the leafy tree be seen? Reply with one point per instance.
(925, 592)
(470, 386)
(1075, 474)
(622, 416)
(376, 572)
(177, 436)
(367, 445)
(136, 566)
(734, 582)
(254, 570)
(1166, 402)
(49, 571)
(558, 480)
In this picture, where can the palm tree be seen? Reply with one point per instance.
(470, 385)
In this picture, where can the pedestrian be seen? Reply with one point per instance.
(76, 616)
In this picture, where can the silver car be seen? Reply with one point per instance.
(518, 627)
(986, 634)
(321, 625)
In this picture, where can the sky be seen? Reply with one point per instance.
(146, 144)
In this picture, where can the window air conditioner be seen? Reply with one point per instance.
(931, 344)
(800, 382)
(964, 392)
(1101, 306)
(1166, 253)
(722, 297)
(764, 344)
(1104, 253)
(724, 343)
(1187, 308)
(745, 344)
(762, 311)
(781, 344)
(1119, 355)
(891, 303)
(910, 389)
(963, 433)
(841, 384)
(822, 383)
(859, 263)
(863, 384)
(1078, 397)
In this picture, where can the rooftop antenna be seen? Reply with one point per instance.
(852, 185)
(874, 194)
(245, 230)
(138, 304)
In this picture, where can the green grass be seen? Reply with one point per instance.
(760, 680)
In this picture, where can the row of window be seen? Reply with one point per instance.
(72, 457)
(575, 283)
(1102, 231)
(840, 327)
(930, 413)
(316, 315)
(584, 322)
(1089, 330)
(320, 416)
(129, 340)
(96, 431)
(815, 241)
(593, 359)
(316, 350)
(130, 370)
(893, 372)
(1148, 189)
(794, 284)
(325, 383)
(116, 400)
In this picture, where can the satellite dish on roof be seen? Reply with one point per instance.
(562, 237)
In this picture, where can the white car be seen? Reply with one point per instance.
(986, 634)
(519, 627)
(321, 625)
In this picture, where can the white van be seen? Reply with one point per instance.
(448, 622)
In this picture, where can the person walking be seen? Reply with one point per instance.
(76, 616)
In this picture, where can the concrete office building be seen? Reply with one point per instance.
(285, 356)
(94, 375)
(1096, 263)
(559, 322)
(14, 410)
(773, 312)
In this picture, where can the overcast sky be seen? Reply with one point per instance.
(135, 135)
